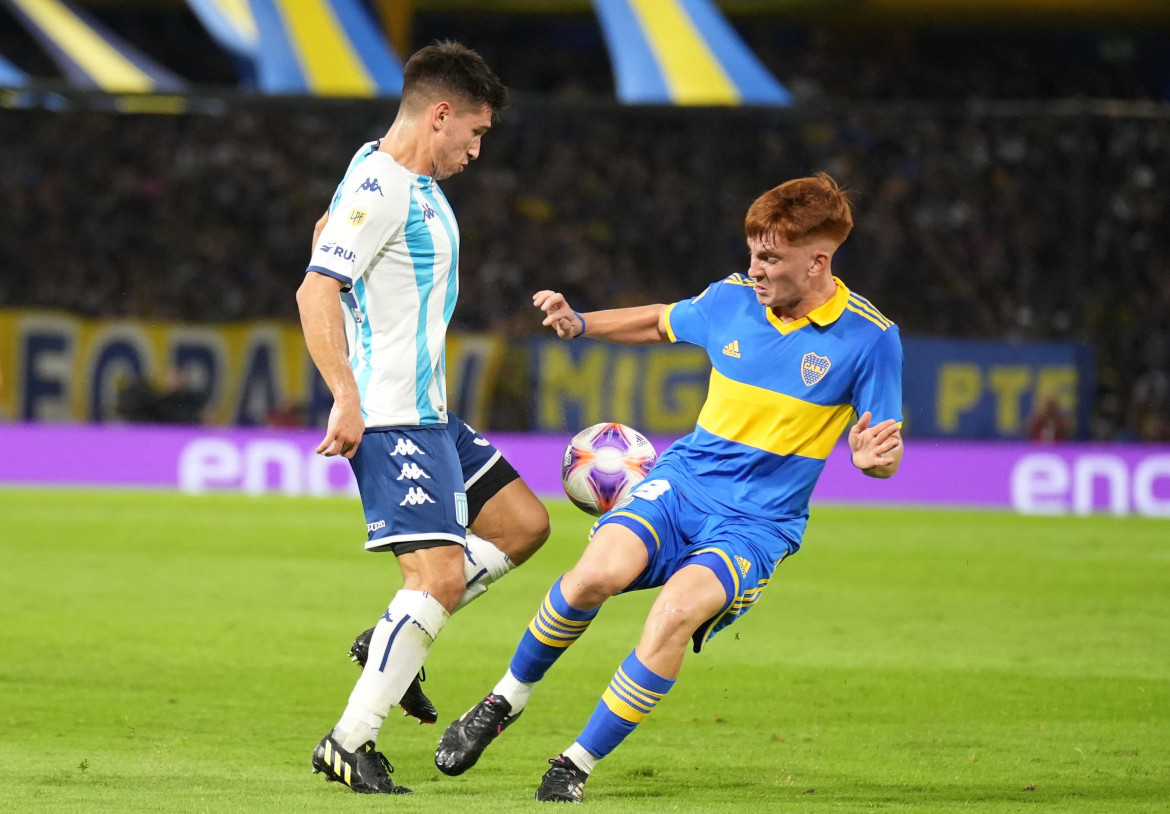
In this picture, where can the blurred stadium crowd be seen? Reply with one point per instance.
(975, 216)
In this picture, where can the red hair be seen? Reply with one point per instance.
(800, 210)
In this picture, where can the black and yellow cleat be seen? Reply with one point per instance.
(563, 783)
(414, 701)
(366, 771)
(465, 739)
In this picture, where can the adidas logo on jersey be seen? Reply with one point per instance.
(411, 471)
(416, 496)
(406, 447)
(731, 349)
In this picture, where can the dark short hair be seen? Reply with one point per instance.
(449, 67)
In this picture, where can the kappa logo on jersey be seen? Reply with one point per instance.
(813, 368)
(415, 496)
(357, 216)
(428, 213)
(372, 527)
(406, 447)
(412, 471)
(338, 251)
(371, 185)
(731, 349)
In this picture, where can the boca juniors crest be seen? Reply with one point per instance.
(813, 368)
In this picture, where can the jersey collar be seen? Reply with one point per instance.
(822, 315)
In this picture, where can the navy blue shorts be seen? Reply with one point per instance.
(476, 454)
(412, 488)
(484, 470)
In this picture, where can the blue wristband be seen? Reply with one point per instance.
(578, 315)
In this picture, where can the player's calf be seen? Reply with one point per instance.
(414, 701)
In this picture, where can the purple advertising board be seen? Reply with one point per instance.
(1034, 479)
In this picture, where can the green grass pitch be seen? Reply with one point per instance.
(166, 653)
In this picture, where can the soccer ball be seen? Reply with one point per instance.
(603, 463)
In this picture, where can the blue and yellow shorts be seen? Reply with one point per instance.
(741, 551)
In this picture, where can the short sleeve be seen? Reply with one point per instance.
(366, 216)
(689, 320)
(878, 388)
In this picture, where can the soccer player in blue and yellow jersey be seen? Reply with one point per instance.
(795, 355)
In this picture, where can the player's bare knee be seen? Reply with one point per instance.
(446, 589)
(530, 531)
(586, 588)
(533, 535)
(671, 623)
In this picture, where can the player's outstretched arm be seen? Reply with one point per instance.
(640, 325)
(324, 327)
(877, 450)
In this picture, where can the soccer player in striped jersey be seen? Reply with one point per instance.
(795, 355)
(375, 304)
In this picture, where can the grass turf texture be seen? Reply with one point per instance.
(168, 653)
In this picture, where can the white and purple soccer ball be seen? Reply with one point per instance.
(603, 463)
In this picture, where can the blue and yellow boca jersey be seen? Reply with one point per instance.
(780, 396)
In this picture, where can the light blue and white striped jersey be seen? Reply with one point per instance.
(392, 239)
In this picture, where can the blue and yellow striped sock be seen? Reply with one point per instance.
(630, 696)
(556, 626)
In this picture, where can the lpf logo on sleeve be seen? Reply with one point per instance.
(813, 368)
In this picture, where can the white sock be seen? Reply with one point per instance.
(401, 641)
(483, 564)
(514, 691)
(585, 760)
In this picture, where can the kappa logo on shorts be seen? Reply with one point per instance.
(372, 527)
(415, 496)
(813, 368)
(412, 471)
(406, 447)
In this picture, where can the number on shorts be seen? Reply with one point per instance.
(652, 489)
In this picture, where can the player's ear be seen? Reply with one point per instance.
(818, 262)
(439, 115)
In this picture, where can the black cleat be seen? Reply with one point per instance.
(563, 783)
(414, 702)
(465, 739)
(366, 771)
